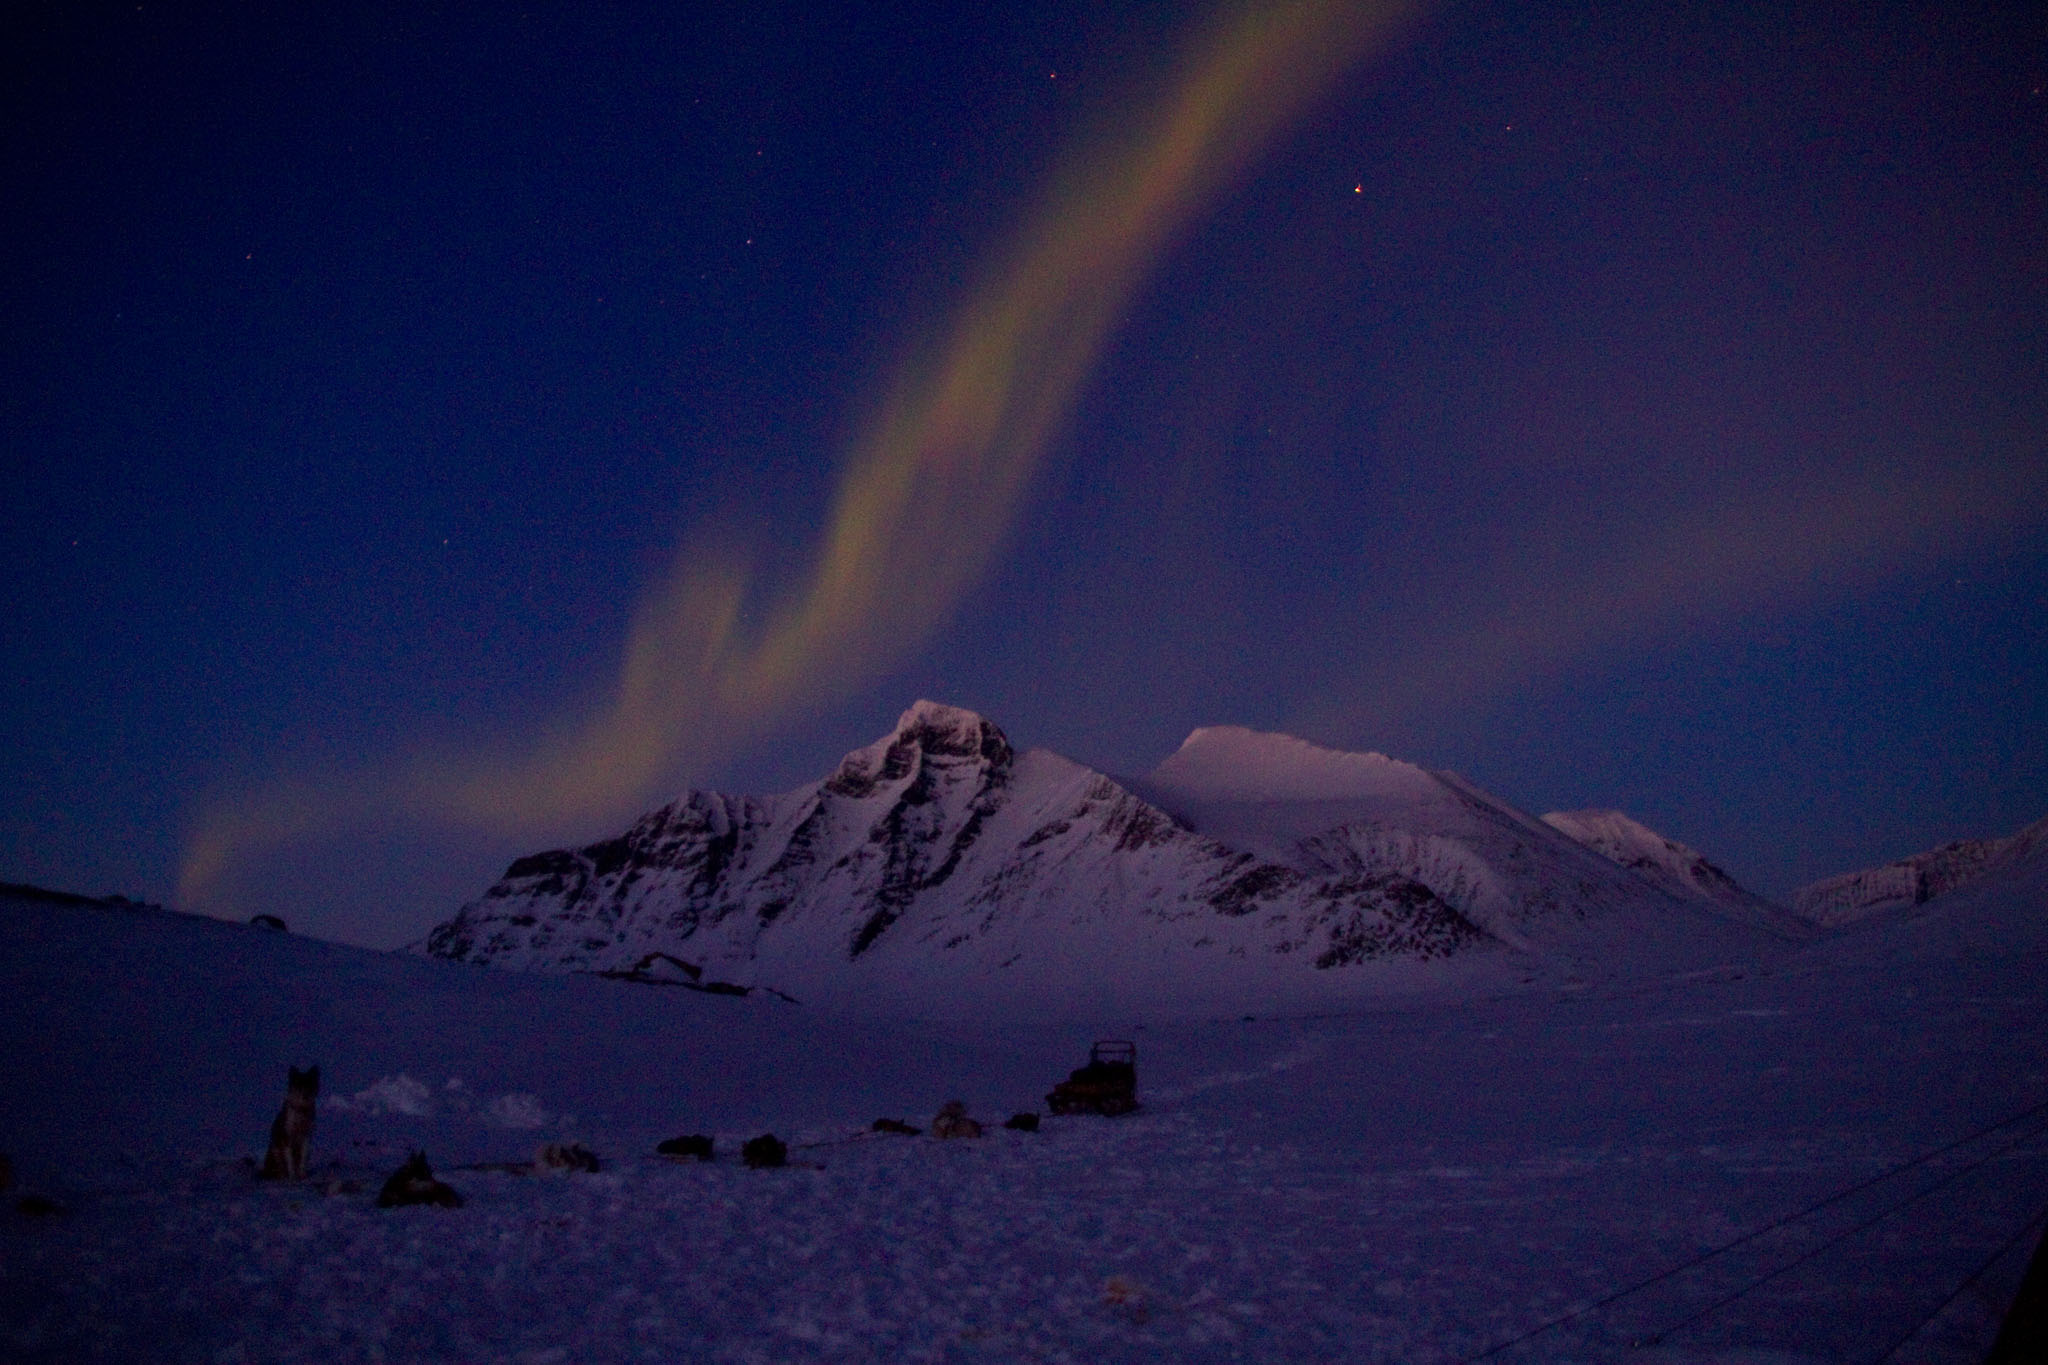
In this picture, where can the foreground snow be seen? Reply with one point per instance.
(1412, 1183)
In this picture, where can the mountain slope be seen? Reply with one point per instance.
(1528, 883)
(1919, 878)
(1671, 865)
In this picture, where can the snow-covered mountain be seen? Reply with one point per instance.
(940, 860)
(1671, 865)
(1919, 878)
(1529, 884)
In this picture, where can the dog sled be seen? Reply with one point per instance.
(1108, 1085)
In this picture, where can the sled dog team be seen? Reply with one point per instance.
(414, 1182)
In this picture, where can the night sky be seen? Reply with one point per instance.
(431, 436)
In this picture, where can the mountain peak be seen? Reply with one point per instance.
(1236, 763)
(938, 728)
(928, 730)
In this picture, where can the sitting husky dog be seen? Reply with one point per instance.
(952, 1122)
(293, 1127)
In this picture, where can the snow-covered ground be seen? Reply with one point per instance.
(1406, 1181)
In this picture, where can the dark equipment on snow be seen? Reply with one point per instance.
(1107, 1085)
(1026, 1122)
(764, 1152)
(683, 1148)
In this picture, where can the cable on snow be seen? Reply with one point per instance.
(1615, 1296)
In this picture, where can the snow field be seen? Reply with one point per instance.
(1405, 1183)
(1151, 1238)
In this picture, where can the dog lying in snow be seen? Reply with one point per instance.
(292, 1129)
(565, 1156)
(952, 1122)
(414, 1183)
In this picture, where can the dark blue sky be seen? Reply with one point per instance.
(1633, 405)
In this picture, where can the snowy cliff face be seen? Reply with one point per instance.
(938, 852)
(1917, 879)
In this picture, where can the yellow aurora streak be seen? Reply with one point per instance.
(925, 499)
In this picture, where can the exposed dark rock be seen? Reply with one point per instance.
(1391, 915)
(608, 857)
(1264, 881)
(558, 863)
(659, 969)
(864, 938)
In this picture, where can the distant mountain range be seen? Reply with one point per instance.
(939, 859)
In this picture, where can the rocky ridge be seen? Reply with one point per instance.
(1916, 879)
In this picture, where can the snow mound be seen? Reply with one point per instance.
(405, 1096)
(518, 1110)
(388, 1095)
